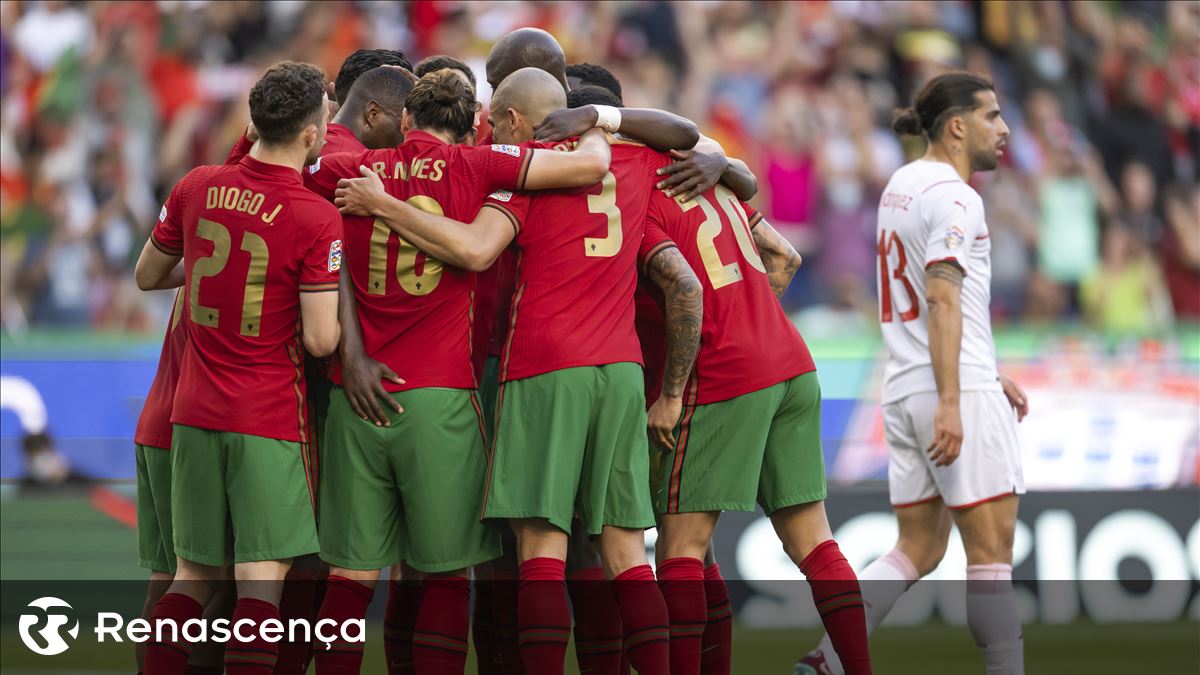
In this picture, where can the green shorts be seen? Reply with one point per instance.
(489, 385)
(411, 491)
(764, 446)
(239, 498)
(156, 552)
(569, 442)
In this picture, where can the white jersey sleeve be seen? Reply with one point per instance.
(929, 215)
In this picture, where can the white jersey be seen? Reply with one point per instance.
(927, 215)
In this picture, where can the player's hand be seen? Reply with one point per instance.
(947, 433)
(362, 380)
(692, 173)
(662, 418)
(356, 196)
(251, 133)
(567, 123)
(1016, 397)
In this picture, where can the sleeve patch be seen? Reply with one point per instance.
(955, 236)
(335, 255)
(513, 150)
(162, 215)
(315, 166)
(501, 195)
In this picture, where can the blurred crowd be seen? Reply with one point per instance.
(1094, 214)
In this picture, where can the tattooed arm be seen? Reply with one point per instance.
(684, 311)
(943, 291)
(778, 256)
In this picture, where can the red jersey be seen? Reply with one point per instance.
(577, 268)
(747, 343)
(154, 424)
(338, 138)
(252, 239)
(416, 313)
(493, 296)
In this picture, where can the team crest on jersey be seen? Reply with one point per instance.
(507, 149)
(315, 166)
(955, 236)
(335, 255)
(162, 215)
(501, 195)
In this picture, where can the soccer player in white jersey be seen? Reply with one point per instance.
(950, 419)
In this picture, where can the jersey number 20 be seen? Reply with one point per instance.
(720, 273)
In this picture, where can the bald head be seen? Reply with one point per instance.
(526, 48)
(532, 92)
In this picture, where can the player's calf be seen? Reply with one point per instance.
(348, 593)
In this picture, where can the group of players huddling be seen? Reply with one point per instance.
(547, 342)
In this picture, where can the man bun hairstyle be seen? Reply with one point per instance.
(940, 99)
(443, 101)
(287, 98)
(360, 62)
(592, 95)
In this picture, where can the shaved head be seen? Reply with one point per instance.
(532, 92)
(526, 48)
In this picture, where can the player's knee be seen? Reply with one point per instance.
(925, 554)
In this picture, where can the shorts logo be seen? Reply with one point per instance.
(507, 149)
(42, 625)
(335, 255)
(955, 237)
(162, 215)
(315, 166)
(501, 195)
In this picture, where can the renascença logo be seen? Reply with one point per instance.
(45, 622)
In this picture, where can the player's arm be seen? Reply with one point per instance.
(157, 269)
(695, 171)
(472, 246)
(585, 165)
(943, 296)
(362, 375)
(684, 312)
(658, 129)
(779, 257)
(319, 321)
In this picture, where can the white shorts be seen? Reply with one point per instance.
(987, 468)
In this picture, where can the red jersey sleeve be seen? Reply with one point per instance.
(239, 150)
(167, 235)
(504, 166)
(654, 237)
(514, 205)
(322, 262)
(753, 215)
(323, 175)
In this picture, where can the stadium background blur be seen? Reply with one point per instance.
(1094, 218)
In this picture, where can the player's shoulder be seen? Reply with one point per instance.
(308, 206)
(203, 173)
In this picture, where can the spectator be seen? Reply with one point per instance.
(1124, 295)
(1181, 251)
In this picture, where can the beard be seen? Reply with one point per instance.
(984, 160)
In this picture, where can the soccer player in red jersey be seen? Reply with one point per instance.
(570, 430)
(262, 256)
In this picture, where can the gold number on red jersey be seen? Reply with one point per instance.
(721, 274)
(417, 273)
(605, 203)
(256, 277)
(887, 243)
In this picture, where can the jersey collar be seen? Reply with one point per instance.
(276, 171)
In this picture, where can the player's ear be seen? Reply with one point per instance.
(514, 118)
(371, 112)
(957, 126)
(405, 122)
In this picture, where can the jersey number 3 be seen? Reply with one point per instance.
(889, 241)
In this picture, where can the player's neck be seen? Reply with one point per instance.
(443, 136)
(291, 156)
(956, 157)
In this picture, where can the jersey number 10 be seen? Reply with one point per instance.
(889, 241)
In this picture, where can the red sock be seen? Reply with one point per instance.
(255, 656)
(839, 601)
(598, 632)
(440, 636)
(207, 670)
(644, 617)
(299, 590)
(483, 630)
(403, 604)
(682, 583)
(504, 617)
(717, 644)
(170, 656)
(543, 619)
(345, 599)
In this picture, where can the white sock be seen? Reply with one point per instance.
(992, 618)
(882, 583)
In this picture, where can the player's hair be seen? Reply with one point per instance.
(360, 62)
(288, 97)
(593, 75)
(592, 95)
(940, 99)
(386, 86)
(437, 62)
(442, 101)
